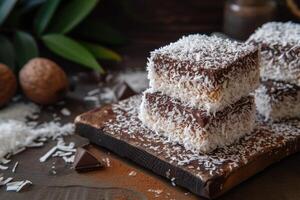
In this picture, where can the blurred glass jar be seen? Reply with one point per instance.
(242, 17)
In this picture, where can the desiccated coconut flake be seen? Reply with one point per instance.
(19, 111)
(62, 154)
(6, 181)
(2, 167)
(42, 139)
(16, 135)
(107, 161)
(19, 150)
(132, 173)
(61, 150)
(91, 98)
(158, 192)
(69, 159)
(15, 167)
(18, 185)
(93, 92)
(66, 148)
(65, 112)
(48, 154)
(36, 144)
(4, 161)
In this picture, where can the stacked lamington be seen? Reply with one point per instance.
(199, 92)
(278, 97)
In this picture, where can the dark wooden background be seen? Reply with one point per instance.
(149, 24)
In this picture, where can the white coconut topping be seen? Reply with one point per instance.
(209, 52)
(283, 33)
(17, 133)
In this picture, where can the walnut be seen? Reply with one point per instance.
(8, 84)
(43, 81)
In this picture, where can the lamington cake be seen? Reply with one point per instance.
(277, 100)
(205, 72)
(194, 128)
(280, 51)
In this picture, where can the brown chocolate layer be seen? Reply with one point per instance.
(278, 90)
(166, 104)
(288, 52)
(165, 64)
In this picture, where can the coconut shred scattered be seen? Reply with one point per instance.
(136, 79)
(222, 161)
(19, 130)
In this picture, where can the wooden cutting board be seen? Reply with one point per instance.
(117, 128)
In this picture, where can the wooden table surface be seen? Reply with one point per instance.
(280, 181)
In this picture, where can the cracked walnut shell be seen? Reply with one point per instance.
(8, 84)
(43, 81)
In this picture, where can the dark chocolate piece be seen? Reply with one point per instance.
(170, 66)
(123, 91)
(166, 103)
(85, 161)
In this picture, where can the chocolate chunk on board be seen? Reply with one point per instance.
(85, 161)
(117, 128)
(123, 91)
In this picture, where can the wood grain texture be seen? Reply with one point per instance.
(97, 126)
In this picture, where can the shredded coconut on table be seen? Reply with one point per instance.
(17, 133)
(17, 186)
(19, 112)
(136, 79)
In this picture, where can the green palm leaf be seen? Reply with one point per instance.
(71, 50)
(72, 14)
(101, 52)
(45, 14)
